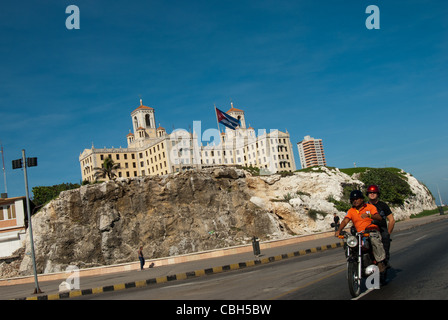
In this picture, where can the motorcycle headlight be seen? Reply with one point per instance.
(352, 241)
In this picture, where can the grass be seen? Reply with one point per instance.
(426, 213)
(349, 171)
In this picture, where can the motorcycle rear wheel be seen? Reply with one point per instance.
(354, 283)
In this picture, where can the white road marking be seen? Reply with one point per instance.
(421, 238)
(363, 294)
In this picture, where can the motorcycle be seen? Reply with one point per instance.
(360, 261)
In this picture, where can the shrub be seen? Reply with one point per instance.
(313, 214)
(394, 189)
(343, 206)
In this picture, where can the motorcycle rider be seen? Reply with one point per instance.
(362, 215)
(387, 223)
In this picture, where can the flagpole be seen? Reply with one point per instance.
(217, 122)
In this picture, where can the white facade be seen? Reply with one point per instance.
(12, 224)
(151, 151)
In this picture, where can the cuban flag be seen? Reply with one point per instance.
(225, 119)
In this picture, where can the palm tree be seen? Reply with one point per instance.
(107, 169)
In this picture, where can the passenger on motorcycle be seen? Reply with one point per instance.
(362, 215)
(388, 222)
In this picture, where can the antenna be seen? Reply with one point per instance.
(4, 170)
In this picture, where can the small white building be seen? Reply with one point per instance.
(12, 224)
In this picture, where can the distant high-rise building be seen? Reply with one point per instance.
(311, 152)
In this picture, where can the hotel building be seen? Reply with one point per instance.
(311, 152)
(152, 151)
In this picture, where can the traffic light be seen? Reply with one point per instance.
(17, 164)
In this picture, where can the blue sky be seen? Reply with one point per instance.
(375, 97)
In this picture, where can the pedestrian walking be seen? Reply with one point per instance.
(141, 258)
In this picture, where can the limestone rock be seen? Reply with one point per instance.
(187, 212)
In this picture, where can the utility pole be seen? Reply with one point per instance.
(440, 198)
(16, 164)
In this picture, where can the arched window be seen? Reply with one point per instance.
(135, 123)
(148, 121)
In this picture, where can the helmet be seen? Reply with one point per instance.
(373, 189)
(356, 194)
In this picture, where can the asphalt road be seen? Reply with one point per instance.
(419, 259)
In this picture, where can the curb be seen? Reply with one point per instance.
(181, 276)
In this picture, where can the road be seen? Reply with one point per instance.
(418, 256)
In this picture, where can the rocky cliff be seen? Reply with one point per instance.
(168, 215)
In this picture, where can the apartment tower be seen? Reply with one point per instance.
(311, 152)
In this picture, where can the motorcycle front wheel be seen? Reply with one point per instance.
(354, 283)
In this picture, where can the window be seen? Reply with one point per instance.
(8, 212)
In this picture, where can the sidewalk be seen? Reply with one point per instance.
(119, 277)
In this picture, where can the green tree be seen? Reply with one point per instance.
(107, 169)
(44, 194)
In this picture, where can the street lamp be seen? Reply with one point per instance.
(16, 164)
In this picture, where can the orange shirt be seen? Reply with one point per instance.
(355, 216)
